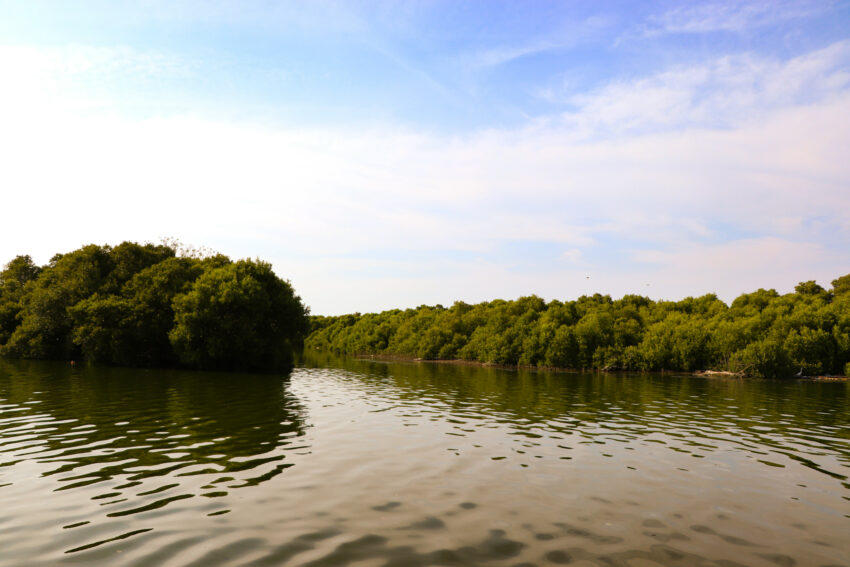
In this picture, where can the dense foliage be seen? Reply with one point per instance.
(147, 305)
(761, 333)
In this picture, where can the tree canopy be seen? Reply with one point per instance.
(761, 333)
(150, 305)
(163, 305)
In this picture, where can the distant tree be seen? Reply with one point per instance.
(13, 279)
(130, 258)
(811, 350)
(103, 329)
(765, 358)
(45, 327)
(810, 287)
(142, 305)
(155, 305)
(238, 316)
(754, 302)
(841, 285)
(594, 331)
(17, 273)
(131, 329)
(563, 349)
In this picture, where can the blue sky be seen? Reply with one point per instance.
(389, 154)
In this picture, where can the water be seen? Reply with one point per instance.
(348, 462)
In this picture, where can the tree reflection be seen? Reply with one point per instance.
(101, 423)
(639, 402)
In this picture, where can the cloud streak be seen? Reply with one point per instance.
(736, 16)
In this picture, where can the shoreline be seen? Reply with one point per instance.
(701, 373)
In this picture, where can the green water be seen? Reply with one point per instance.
(348, 462)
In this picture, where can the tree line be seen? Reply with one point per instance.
(761, 333)
(150, 306)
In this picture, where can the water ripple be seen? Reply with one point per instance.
(406, 464)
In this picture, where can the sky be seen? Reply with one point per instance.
(391, 154)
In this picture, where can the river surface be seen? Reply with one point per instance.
(350, 462)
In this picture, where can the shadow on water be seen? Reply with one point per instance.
(136, 441)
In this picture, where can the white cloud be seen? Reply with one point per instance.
(332, 208)
(45, 84)
(721, 93)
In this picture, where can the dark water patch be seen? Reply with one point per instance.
(727, 538)
(107, 495)
(164, 554)
(228, 553)
(158, 489)
(652, 523)
(429, 523)
(76, 525)
(351, 551)
(779, 559)
(559, 557)
(108, 540)
(152, 506)
(281, 554)
(321, 535)
(580, 532)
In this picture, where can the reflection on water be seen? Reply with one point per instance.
(359, 462)
(112, 451)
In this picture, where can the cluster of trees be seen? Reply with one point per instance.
(150, 305)
(761, 333)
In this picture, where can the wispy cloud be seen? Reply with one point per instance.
(720, 93)
(564, 37)
(504, 54)
(735, 16)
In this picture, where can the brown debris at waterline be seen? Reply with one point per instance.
(728, 374)
(719, 373)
